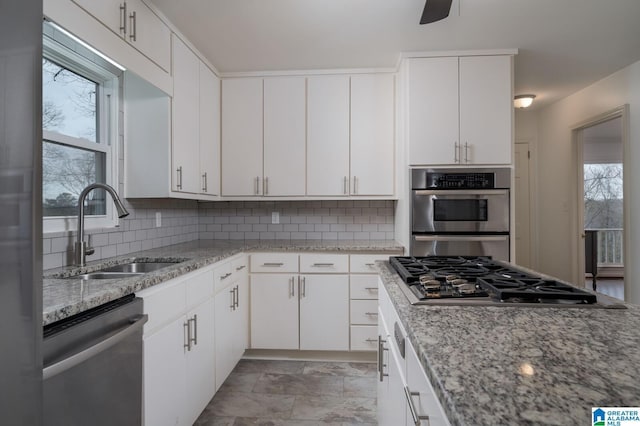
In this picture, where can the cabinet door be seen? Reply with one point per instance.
(242, 136)
(108, 12)
(433, 111)
(425, 402)
(486, 107)
(224, 358)
(164, 376)
(200, 360)
(185, 106)
(324, 312)
(372, 134)
(328, 135)
(209, 131)
(274, 311)
(284, 136)
(148, 33)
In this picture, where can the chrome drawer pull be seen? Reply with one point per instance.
(371, 340)
(240, 268)
(371, 288)
(371, 313)
(323, 264)
(273, 264)
(225, 276)
(417, 418)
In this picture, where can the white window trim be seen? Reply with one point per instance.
(108, 107)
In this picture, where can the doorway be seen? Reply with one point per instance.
(601, 144)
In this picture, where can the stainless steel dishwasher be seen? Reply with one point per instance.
(93, 366)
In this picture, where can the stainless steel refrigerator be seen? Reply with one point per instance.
(20, 212)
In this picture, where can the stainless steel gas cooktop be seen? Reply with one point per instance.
(470, 280)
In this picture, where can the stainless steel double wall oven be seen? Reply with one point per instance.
(463, 212)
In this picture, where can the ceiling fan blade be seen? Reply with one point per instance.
(435, 10)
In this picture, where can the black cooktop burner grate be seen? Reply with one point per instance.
(534, 290)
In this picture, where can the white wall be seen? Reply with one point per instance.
(556, 173)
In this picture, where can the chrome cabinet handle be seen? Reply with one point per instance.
(265, 184)
(225, 276)
(257, 185)
(371, 288)
(323, 265)
(455, 152)
(123, 18)
(237, 303)
(466, 152)
(187, 335)
(112, 339)
(304, 286)
(275, 264)
(381, 363)
(291, 290)
(355, 185)
(240, 268)
(417, 418)
(371, 313)
(204, 182)
(193, 339)
(345, 188)
(233, 299)
(133, 19)
(371, 340)
(179, 171)
(369, 264)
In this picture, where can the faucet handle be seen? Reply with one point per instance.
(88, 250)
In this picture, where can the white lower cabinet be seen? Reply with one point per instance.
(274, 311)
(404, 395)
(231, 317)
(324, 312)
(178, 349)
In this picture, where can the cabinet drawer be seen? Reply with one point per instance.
(164, 303)
(274, 262)
(364, 338)
(324, 263)
(364, 286)
(240, 265)
(365, 263)
(364, 312)
(222, 276)
(199, 287)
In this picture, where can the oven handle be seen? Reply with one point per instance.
(460, 238)
(112, 339)
(503, 192)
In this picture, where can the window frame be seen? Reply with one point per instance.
(108, 81)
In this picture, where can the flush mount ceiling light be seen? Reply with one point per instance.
(523, 101)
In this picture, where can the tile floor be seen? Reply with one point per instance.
(288, 393)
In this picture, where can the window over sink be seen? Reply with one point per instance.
(80, 104)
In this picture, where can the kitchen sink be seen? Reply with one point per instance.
(138, 267)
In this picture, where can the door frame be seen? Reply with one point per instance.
(577, 129)
(533, 213)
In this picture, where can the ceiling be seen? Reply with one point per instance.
(564, 45)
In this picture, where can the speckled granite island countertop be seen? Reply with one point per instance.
(63, 296)
(523, 366)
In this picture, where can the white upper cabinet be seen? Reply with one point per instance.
(433, 111)
(328, 135)
(460, 110)
(486, 106)
(209, 131)
(284, 136)
(137, 24)
(372, 134)
(185, 110)
(242, 115)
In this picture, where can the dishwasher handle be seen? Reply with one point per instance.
(113, 338)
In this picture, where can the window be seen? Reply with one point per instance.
(79, 111)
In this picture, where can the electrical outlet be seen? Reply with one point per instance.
(275, 217)
(158, 219)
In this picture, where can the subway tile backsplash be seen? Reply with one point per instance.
(299, 220)
(184, 221)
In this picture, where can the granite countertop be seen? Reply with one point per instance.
(64, 297)
(525, 366)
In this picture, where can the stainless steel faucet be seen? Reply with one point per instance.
(82, 249)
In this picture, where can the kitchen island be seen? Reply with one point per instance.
(519, 365)
(64, 296)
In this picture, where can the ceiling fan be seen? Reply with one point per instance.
(435, 10)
